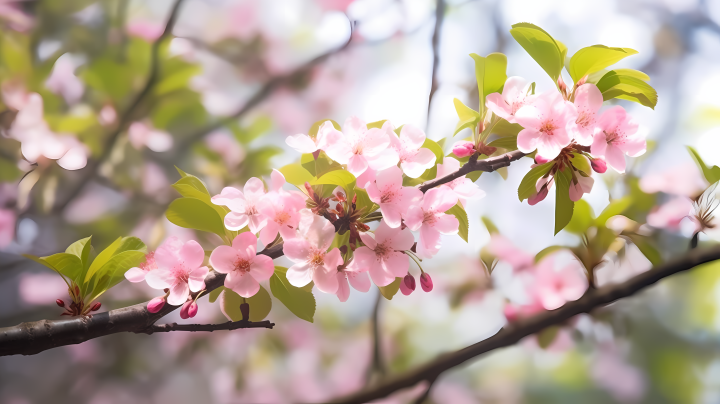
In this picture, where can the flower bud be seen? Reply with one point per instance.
(540, 159)
(96, 306)
(511, 312)
(407, 285)
(245, 311)
(599, 165)
(582, 81)
(538, 197)
(60, 303)
(192, 310)
(426, 282)
(561, 85)
(463, 148)
(184, 310)
(156, 304)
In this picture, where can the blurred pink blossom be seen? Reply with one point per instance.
(670, 214)
(623, 381)
(554, 287)
(7, 227)
(141, 134)
(463, 187)
(154, 180)
(684, 180)
(227, 147)
(336, 5)
(504, 249)
(15, 17)
(583, 186)
(41, 288)
(107, 115)
(149, 31)
(64, 82)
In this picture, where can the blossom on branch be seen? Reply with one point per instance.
(414, 159)
(360, 147)
(429, 217)
(394, 199)
(544, 122)
(382, 254)
(179, 269)
(244, 268)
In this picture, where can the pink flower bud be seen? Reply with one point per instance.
(426, 282)
(192, 310)
(407, 285)
(96, 306)
(463, 148)
(540, 159)
(599, 165)
(511, 312)
(60, 303)
(538, 197)
(156, 304)
(184, 310)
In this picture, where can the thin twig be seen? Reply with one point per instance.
(434, 84)
(377, 365)
(230, 325)
(488, 165)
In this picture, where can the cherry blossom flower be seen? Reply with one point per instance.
(463, 148)
(365, 178)
(137, 274)
(7, 227)
(619, 136)
(670, 214)
(179, 269)
(282, 211)
(684, 179)
(583, 122)
(583, 186)
(430, 219)
(303, 143)
(504, 249)
(141, 134)
(382, 255)
(244, 268)
(414, 159)
(463, 187)
(226, 146)
(387, 191)
(356, 277)
(62, 80)
(544, 122)
(360, 147)
(554, 288)
(308, 250)
(244, 206)
(514, 96)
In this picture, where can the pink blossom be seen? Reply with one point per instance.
(463, 148)
(514, 311)
(583, 123)
(582, 186)
(382, 254)
(7, 227)
(308, 250)
(514, 96)
(426, 282)
(670, 214)
(303, 143)
(62, 80)
(338, 5)
(365, 178)
(282, 210)
(156, 304)
(430, 219)
(387, 191)
(179, 269)
(244, 268)
(149, 31)
(356, 277)
(107, 115)
(554, 288)
(226, 146)
(141, 134)
(414, 159)
(545, 121)
(624, 382)
(504, 249)
(598, 165)
(137, 274)
(407, 285)
(684, 180)
(360, 147)
(463, 187)
(244, 206)
(619, 136)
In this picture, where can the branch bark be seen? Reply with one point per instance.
(230, 325)
(434, 84)
(488, 165)
(514, 332)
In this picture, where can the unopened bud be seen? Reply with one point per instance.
(426, 282)
(511, 312)
(561, 85)
(540, 159)
(184, 310)
(582, 81)
(192, 310)
(245, 311)
(156, 304)
(533, 200)
(599, 165)
(96, 306)
(60, 303)
(407, 285)
(463, 148)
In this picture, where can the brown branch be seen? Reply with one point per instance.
(488, 165)
(514, 332)
(434, 84)
(230, 325)
(91, 170)
(377, 365)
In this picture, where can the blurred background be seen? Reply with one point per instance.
(240, 76)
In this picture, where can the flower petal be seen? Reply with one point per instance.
(178, 294)
(192, 254)
(242, 284)
(262, 268)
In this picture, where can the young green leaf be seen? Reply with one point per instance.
(81, 249)
(711, 174)
(260, 305)
(615, 85)
(459, 212)
(594, 58)
(469, 118)
(508, 143)
(300, 302)
(296, 174)
(376, 124)
(490, 73)
(489, 225)
(113, 271)
(340, 178)
(192, 213)
(547, 251)
(581, 163)
(65, 264)
(390, 290)
(582, 218)
(436, 149)
(616, 207)
(563, 204)
(541, 47)
(102, 259)
(527, 185)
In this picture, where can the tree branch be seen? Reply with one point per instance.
(488, 165)
(516, 331)
(377, 365)
(92, 168)
(230, 325)
(439, 17)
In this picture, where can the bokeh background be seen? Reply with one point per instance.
(88, 59)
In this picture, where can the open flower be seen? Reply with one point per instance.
(583, 122)
(356, 276)
(382, 256)
(619, 136)
(305, 144)
(414, 159)
(463, 187)
(308, 250)
(360, 147)
(180, 270)
(243, 267)
(514, 96)
(244, 207)
(544, 122)
(282, 210)
(387, 191)
(554, 288)
(137, 274)
(430, 219)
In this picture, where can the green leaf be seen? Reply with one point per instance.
(213, 296)
(459, 212)
(436, 149)
(376, 124)
(16, 53)
(644, 244)
(527, 185)
(300, 302)
(508, 143)
(490, 73)
(363, 201)
(320, 166)
(177, 80)
(340, 178)
(81, 249)
(541, 47)
(469, 118)
(547, 251)
(582, 218)
(504, 128)
(114, 270)
(65, 264)
(633, 73)
(260, 305)
(316, 126)
(712, 174)
(296, 174)
(581, 163)
(390, 290)
(102, 259)
(193, 213)
(547, 336)
(597, 57)
(489, 225)
(9, 171)
(614, 85)
(563, 204)
(616, 207)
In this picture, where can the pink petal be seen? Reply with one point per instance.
(599, 145)
(343, 290)
(396, 264)
(192, 254)
(357, 164)
(256, 222)
(588, 97)
(297, 249)
(527, 140)
(325, 279)
(74, 159)
(160, 279)
(392, 214)
(439, 199)
(412, 136)
(410, 196)
(416, 166)
(359, 281)
(269, 232)
(178, 294)
(236, 221)
(529, 117)
(338, 148)
(375, 141)
(414, 217)
(167, 258)
(634, 146)
(223, 259)
(384, 159)
(135, 275)
(385, 232)
(366, 177)
(277, 180)
(368, 240)
(196, 279)
(246, 244)
(379, 275)
(300, 274)
(497, 104)
(320, 233)
(615, 158)
(447, 224)
(302, 143)
(429, 243)
(262, 268)
(575, 192)
(403, 240)
(232, 198)
(448, 166)
(242, 284)
(373, 192)
(354, 126)
(388, 179)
